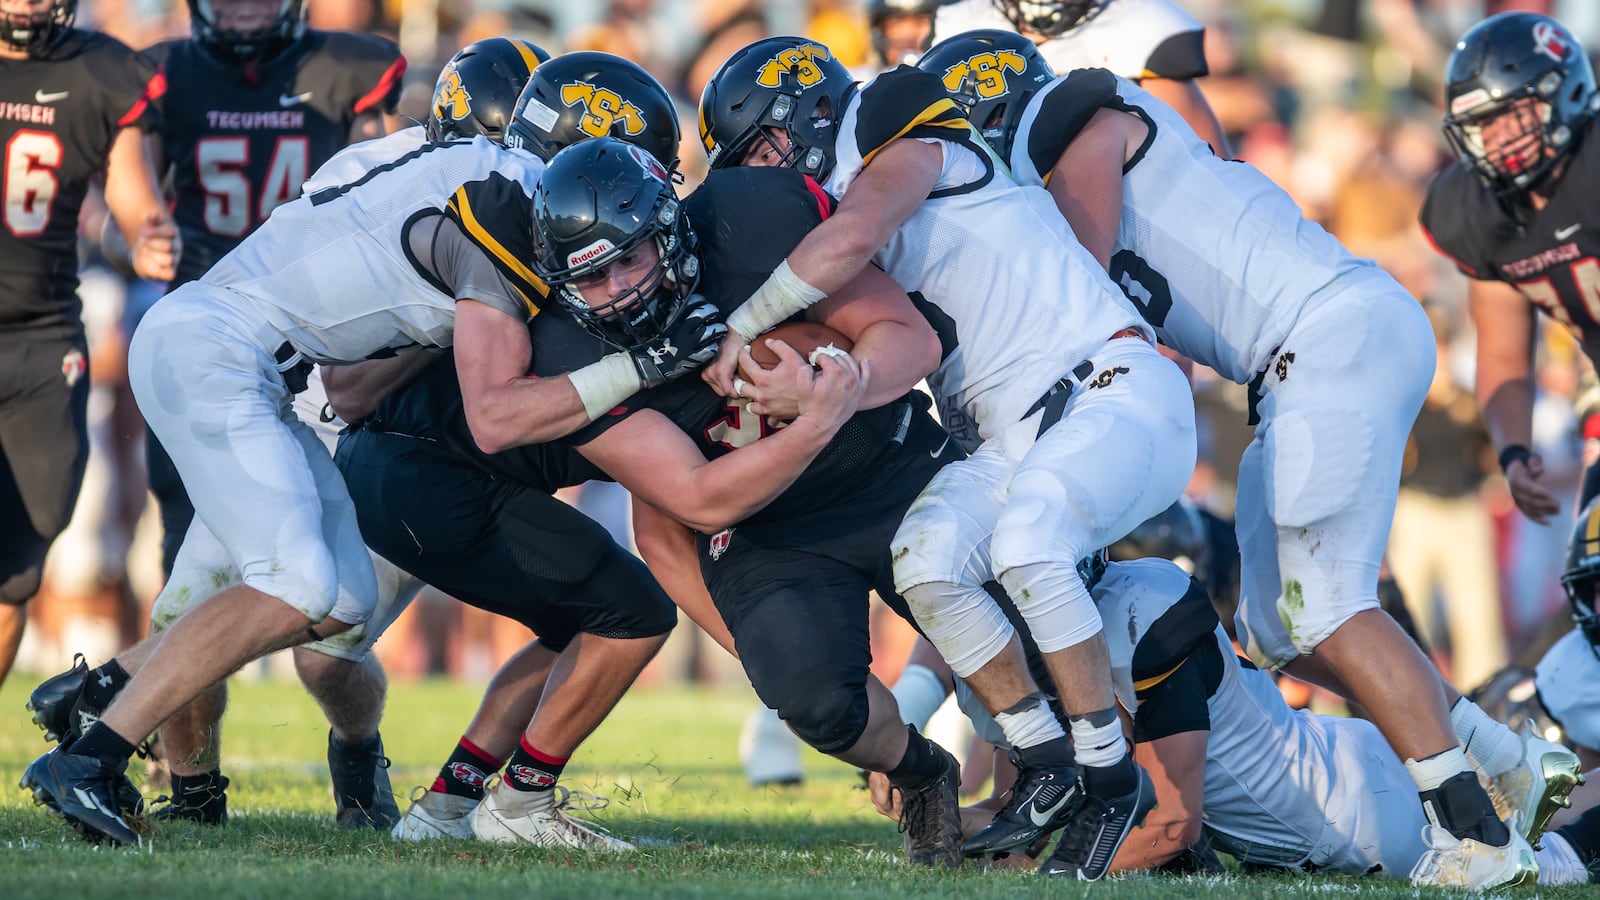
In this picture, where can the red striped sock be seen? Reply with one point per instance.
(464, 773)
(533, 770)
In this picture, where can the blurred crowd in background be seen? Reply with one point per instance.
(1336, 100)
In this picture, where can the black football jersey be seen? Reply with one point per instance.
(241, 141)
(59, 115)
(1551, 255)
(747, 220)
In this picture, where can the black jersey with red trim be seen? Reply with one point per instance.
(240, 140)
(1551, 255)
(848, 502)
(59, 115)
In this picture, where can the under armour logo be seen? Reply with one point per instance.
(657, 354)
(1283, 364)
(104, 680)
(1105, 378)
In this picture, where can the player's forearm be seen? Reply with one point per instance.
(901, 356)
(1505, 394)
(526, 410)
(669, 550)
(354, 391)
(731, 488)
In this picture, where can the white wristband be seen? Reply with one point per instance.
(782, 295)
(603, 384)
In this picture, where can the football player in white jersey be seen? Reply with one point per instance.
(1271, 300)
(1079, 428)
(1153, 42)
(367, 269)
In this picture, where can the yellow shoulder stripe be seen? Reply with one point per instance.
(463, 210)
(926, 117)
(1591, 532)
(1151, 682)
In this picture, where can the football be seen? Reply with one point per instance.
(804, 337)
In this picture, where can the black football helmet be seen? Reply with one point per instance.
(233, 46)
(789, 83)
(881, 11)
(1582, 573)
(991, 74)
(1499, 62)
(478, 88)
(588, 94)
(34, 33)
(1051, 19)
(598, 200)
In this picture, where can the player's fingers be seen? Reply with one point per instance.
(786, 354)
(1535, 465)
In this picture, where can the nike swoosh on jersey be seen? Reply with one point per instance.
(1561, 233)
(294, 99)
(936, 454)
(50, 97)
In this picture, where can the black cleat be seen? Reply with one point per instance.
(361, 793)
(52, 702)
(930, 816)
(1039, 803)
(1096, 828)
(205, 803)
(90, 794)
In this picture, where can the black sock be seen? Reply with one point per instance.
(1583, 833)
(464, 773)
(1110, 781)
(196, 790)
(1461, 807)
(1050, 754)
(104, 683)
(102, 742)
(531, 770)
(921, 763)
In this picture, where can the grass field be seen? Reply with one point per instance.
(666, 759)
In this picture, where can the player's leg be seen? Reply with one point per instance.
(799, 623)
(44, 446)
(272, 505)
(1122, 452)
(172, 501)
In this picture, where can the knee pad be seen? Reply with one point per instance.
(1059, 610)
(19, 587)
(966, 625)
(829, 717)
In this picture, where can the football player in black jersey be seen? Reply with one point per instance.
(72, 105)
(1513, 213)
(793, 521)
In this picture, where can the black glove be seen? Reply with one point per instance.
(688, 342)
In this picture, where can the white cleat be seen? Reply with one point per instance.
(434, 815)
(509, 816)
(1470, 864)
(769, 751)
(1534, 789)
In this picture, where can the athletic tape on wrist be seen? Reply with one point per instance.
(782, 295)
(603, 384)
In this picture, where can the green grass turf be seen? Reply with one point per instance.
(666, 759)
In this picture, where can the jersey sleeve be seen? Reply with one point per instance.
(1451, 214)
(496, 214)
(1175, 701)
(371, 71)
(130, 84)
(1181, 56)
(1186, 625)
(746, 221)
(906, 103)
(442, 253)
(1062, 111)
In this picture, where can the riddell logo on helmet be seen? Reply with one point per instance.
(1470, 100)
(1547, 39)
(594, 250)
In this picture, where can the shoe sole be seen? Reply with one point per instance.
(1562, 774)
(42, 717)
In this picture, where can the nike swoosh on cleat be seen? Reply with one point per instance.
(1042, 821)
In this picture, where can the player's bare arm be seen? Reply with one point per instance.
(135, 204)
(668, 548)
(1504, 320)
(878, 318)
(654, 459)
(505, 406)
(1086, 181)
(1184, 95)
(1177, 767)
(354, 391)
(877, 204)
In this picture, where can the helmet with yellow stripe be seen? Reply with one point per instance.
(478, 88)
(1582, 574)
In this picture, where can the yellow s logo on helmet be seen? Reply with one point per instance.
(796, 61)
(451, 100)
(987, 71)
(603, 109)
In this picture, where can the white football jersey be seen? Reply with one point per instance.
(1220, 259)
(1303, 788)
(1026, 301)
(1132, 38)
(332, 271)
(352, 162)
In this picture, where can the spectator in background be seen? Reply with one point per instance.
(1441, 547)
